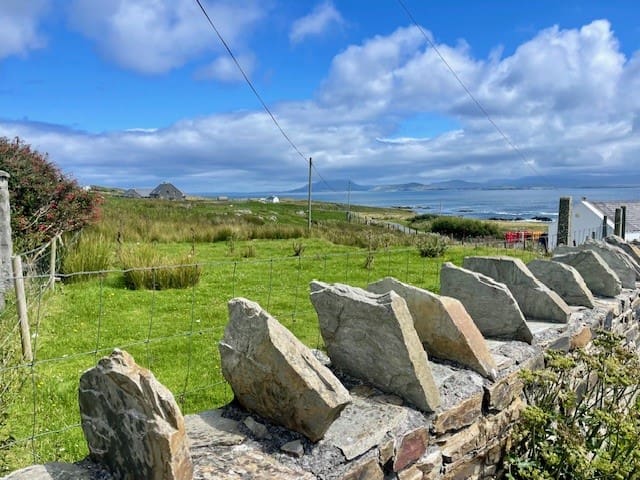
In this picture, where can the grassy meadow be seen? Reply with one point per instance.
(232, 249)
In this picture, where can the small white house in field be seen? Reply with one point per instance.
(272, 199)
(587, 219)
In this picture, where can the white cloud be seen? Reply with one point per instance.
(224, 69)
(565, 98)
(19, 21)
(155, 36)
(315, 23)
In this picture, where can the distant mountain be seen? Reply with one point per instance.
(332, 186)
(420, 187)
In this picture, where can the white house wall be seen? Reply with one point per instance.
(586, 222)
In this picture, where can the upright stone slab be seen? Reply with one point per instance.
(617, 260)
(444, 326)
(563, 279)
(372, 337)
(490, 303)
(131, 422)
(600, 279)
(629, 249)
(564, 220)
(273, 374)
(535, 299)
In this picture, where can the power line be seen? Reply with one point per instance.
(475, 100)
(246, 78)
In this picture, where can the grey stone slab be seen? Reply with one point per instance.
(362, 426)
(444, 326)
(131, 422)
(372, 337)
(489, 303)
(51, 471)
(211, 429)
(563, 279)
(629, 249)
(535, 299)
(275, 375)
(614, 257)
(597, 274)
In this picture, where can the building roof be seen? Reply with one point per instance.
(608, 208)
(138, 192)
(166, 190)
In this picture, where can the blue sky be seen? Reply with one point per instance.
(133, 92)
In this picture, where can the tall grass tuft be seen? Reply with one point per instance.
(145, 268)
(86, 253)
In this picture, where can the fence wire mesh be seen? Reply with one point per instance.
(172, 332)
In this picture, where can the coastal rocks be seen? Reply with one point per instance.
(131, 422)
(534, 299)
(444, 326)
(600, 279)
(563, 279)
(273, 374)
(614, 257)
(372, 337)
(490, 304)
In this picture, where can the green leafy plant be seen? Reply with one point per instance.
(44, 202)
(298, 248)
(583, 417)
(432, 245)
(461, 228)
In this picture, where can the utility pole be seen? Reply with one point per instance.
(349, 203)
(309, 198)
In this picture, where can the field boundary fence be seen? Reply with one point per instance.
(173, 332)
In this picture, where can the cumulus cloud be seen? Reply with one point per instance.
(323, 17)
(19, 21)
(155, 36)
(224, 69)
(564, 98)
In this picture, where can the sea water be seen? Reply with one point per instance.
(508, 204)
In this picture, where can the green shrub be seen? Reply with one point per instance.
(461, 228)
(145, 268)
(248, 251)
(86, 253)
(583, 416)
(44, 202)
(432, 245)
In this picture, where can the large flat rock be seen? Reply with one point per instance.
(53, 471)
(131, 421)
(563, 279)
(629, 249)
(444, 326)
(372, 337)
(273, 374)
(614, 257)
(597, 274)
(534, 298)
(490, 303)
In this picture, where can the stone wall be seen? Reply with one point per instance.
(416, 385)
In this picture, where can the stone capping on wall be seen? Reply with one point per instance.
(380, 435)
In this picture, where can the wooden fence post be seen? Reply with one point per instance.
(52, 264)
(21, 302)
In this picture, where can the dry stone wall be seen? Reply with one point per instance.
(457, 428)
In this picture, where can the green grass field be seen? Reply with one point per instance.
(175, 332)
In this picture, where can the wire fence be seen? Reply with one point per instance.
(173, 332)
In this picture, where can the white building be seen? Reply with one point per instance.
(587, 218)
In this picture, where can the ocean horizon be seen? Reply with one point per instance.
(508, 204)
